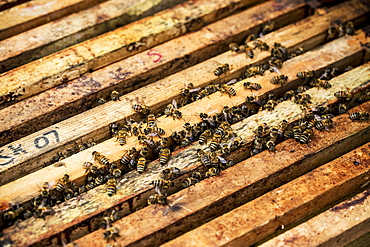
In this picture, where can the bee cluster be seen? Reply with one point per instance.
(339, 29)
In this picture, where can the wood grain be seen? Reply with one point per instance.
(341, 224)
(163, 92)
(75, 28)
(257, 219)
(108, 48)
(81, 94)
(271, 173)
(31, 14)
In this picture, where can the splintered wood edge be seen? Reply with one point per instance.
(344, 137)
(113, 151)
(341, 224)
(110, 47)
(78, 95)
(31, 14)
(77, 27)
(284, 205)
(93, 119)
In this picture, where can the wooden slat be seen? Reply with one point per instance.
(6, 4)
(344, 137)
(341, 224)
(108, 113)
(74, 163)
(79, 95)
(170, 86)
(257, 219)
(37, 12)
(108, 48)
(77, 27)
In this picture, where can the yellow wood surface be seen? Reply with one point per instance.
(77, 27)
(110, 47)
(345, 135)
(37, 12)
(82, 93)
(164, 90)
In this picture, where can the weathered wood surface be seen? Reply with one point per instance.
(198, 74)
(326, 146)
(31, 14)
(110, 47)
(6, 4)
(77, 27)
(337, 226)
(81, 94)
(210, 198)
(285, 205)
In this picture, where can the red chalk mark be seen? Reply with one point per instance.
(150, 53)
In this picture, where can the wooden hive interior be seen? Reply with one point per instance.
(276, 162)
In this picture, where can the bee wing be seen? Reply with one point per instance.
(276, 70)
(233, 81)
(222, 160)
(194, 89)
(318, 118)
(174, 103)
(51, 184)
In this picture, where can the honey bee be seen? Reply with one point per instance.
(234, 47)
(101, 159)
(267, 28)
(135, 127)
(170, 173)
(114, 128)
(116, 172)
(305, 136)
(164, 155)
(349, 28)
(102, 101)
(322, 83)
(270, 146)
(283, 125)
(213, 171)
(359, 116)
(328, 123)
(258, 145)
(111, 233)
(99, 180)
(111, 187)
(108, 220)
(160, 183)
(223, 68)
(227, 89)
(249, 52)
(252, 86)
(45, 188)
(260, 45)
(279, 79)
(196, 175)
(343, 95)
(171, 110)
(152, 121)
(250, 38)
(270, 105)
(189, 182)
(188, 89)
(141, 164)
(253, 71)
(15, 212)
(274, 133)
(204, 136)
(121, 137)
(90, 185)
(306, 74)
(43, 211)
(302, 99)
(203, 157)
(288, 95)
(157, 199)
(114, 95)
(342, 108)
(129, 157)
(141, 109)
(61, 184)
(332, 32)
(205, 117)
